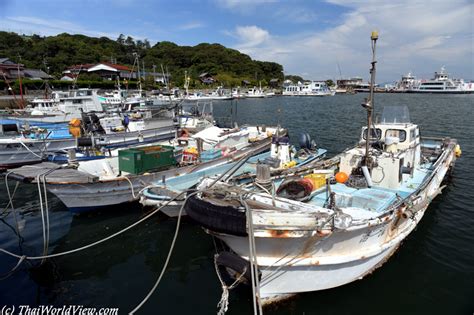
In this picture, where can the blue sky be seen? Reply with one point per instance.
(309, 38)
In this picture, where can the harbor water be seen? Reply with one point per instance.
(431, 273)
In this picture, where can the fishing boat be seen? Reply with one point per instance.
(61, 107)
(20, 145)
(89, 185)
(255, 93)
(195, 116)
(217, 95)
(237, 94)
(282, 156)
(27, 142)
(334, 223)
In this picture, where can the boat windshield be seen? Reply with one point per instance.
(395, 115)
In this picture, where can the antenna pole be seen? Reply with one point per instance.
(369, 104)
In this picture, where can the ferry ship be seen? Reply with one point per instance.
(309, 88)
(442, 83)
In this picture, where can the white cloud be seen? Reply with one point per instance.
(295, 14)
(251, 36)
(231, 4)
(191, 26)
(46, 27)
(414, 35)
(244, 7)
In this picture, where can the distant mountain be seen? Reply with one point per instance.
(56, 53)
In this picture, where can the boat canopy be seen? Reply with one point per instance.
(395, 115)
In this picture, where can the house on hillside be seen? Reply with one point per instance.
(10, 70)
(274, 83)
(36, 74)
(245, 82)
(68, 77)
(206, 78)
(105, 70)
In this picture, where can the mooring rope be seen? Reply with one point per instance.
(94, 243)
(223, 304)
(257, 305)
(10, 197)
(175, 236)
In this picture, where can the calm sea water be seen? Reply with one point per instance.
(431, 273)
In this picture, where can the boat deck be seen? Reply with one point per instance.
(375, 199)
(53, 173)
(178, 184)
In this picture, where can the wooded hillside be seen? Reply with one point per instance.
(55, 53)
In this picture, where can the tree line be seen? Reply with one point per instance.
(53, 54)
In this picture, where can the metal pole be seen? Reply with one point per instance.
(369, 105)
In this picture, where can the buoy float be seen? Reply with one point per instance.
(457, 150)
(341, 177)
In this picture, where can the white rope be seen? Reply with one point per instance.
(40, 195)
(257, 305)
(28, 149)
(150, 293)
(47, 212)
(10, 197)
(223, 304)
(94, 243)
(8, 274)
(135, 196)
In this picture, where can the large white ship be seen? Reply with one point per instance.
(442, 83)
(309, 88)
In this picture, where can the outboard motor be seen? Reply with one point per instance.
(306, 142)
(280, 149)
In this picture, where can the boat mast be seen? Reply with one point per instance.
(369, 104)
(22, 104)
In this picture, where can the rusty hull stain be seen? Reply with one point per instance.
(279, 233)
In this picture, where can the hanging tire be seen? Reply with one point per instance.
(222, 219)
(235, 267)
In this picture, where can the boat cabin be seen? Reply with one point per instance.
(395, 150)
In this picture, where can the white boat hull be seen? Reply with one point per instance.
(85, 197)
(26, 151)
(278, 283)
(294, 256)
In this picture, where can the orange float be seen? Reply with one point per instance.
(341, 177)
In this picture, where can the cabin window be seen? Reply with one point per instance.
(397, 133)
(77, 101)
(375, 133)
(412, 134)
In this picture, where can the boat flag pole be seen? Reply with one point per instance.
(369, 104)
